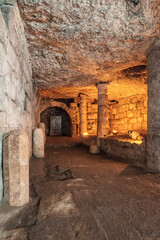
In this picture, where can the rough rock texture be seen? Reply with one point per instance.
(38, 143)
(122, 149)
(94, 149)
(16, 168)
(15, 221)
(17, 96)
(83, 42)
(153, 142)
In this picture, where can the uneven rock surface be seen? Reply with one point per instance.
(104, 200)
(83, 42)
(94, 149)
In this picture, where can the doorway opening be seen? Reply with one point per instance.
(57, 122)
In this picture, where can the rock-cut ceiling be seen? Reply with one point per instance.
(75, 44)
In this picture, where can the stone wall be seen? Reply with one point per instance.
(131, 152)
(92, 109)
(121, 149)
(129, 114)
(17, 96)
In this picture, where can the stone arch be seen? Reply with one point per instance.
(63, 106)
(57, 104)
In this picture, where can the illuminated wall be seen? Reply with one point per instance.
(128, 113)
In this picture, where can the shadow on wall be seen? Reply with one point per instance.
(56, 111)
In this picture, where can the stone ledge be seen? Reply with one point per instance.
(127, 150)
(121, 149)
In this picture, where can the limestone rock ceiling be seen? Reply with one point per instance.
(79, 43)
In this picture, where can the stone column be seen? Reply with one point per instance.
(16, 168)
(153, 122)
(83, 114)
(42, 126)
(38, 143)
(74, 130)
(102, 121)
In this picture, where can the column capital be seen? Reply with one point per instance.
(102, 85)
(155, 46)
(82, 96)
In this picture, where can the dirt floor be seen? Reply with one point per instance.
(105, 200)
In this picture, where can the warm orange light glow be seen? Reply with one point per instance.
(137, 142)
(131, 141)
(115, 132)
(85, 134)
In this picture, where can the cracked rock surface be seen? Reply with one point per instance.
(79, 43)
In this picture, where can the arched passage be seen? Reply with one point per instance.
(48, 104)
(66, 124)
(56, 104)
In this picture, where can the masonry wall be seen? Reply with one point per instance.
(17, 95)
(126, 114)
(133, 153)
(92, 109)
(121, 150)
(129, 114)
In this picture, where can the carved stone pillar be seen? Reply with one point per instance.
(42, 126)
(153, 122)
(16, 168)
(38, 143)
(83, 114)
(102, 121)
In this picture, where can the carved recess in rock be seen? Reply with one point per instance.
(83, 42)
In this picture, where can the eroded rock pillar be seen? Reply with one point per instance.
(102, 121)
(153, 122)
(38, 143)
(83, 114)
(16, 168)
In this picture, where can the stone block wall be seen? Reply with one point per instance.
(17, 95)
(129, 114)
(133, 153)
(92, 109)
(122, 150)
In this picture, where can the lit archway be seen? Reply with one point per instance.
(61, 105)
(65, 127)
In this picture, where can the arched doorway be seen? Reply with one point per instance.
(66, 124)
